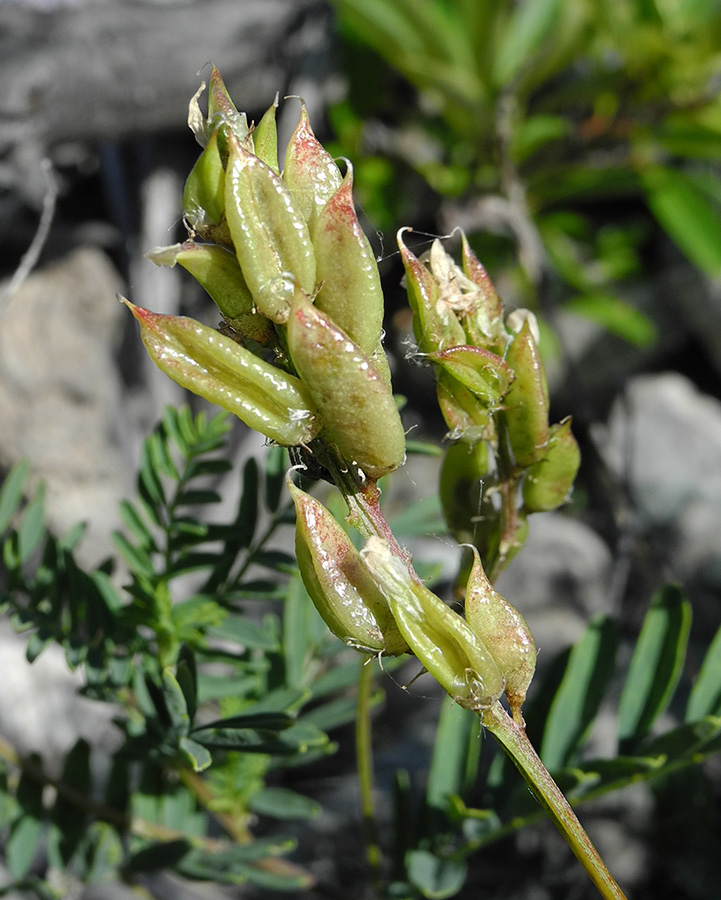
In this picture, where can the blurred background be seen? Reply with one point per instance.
(577, 143)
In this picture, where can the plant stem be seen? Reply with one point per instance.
(364, 762)
(512, 737)
(367, 517)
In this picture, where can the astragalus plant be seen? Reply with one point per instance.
(299, 357)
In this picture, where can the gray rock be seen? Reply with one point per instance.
(558, 580)
(60, 392)
(663, 441)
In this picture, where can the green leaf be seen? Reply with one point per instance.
(136, 557)
(615, 316)
(688, 215)
(281, 803)
(161, 855)
(423, 448)
(685, 740)
(186, 673)
(197, 498)
(68, 819)
(705, 698)
(7, 805)
(23, 845)
(530, 24)
(247, 634)
(255, 732)
(436, 878)
(655, 666)
(339, 712)
(11, 493)
(235, 866)
(151, 487)
(26, 832)
(175, 702)
(248, 509)
(577, 700)
(301, 631)
(136, 526)
(171, 424)
(159, 453)
(105, 853)
(276, 560)
(456, 752)
(275, 468)
(241, 740)
(32, 526)
(196, 755)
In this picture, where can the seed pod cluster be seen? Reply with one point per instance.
(283, 256)
(505, 460)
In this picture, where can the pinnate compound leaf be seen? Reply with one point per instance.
(655, 666)
(581, 691)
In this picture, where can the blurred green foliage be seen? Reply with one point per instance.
(561, 134)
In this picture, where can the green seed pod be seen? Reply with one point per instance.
(484, 323)
(338, 582)
(265, 138)
(441, 639)
(215, 367)
(222, 112)
(466, 416)
(465, 477)
(354, 400)
(350, 287)
(547, 483)
(271, 238)
(217, 270)
(309, 171)
(204, 192)
(484, 373)
(504, 632)
(526, 403)
(434, 322)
